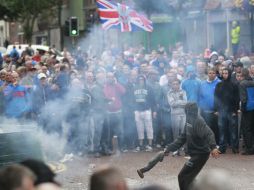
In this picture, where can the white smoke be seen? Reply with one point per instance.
(52, 146)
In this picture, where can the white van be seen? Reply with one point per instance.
(59, 55)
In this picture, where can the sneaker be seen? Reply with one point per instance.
(158, 146)
(187, 157)
(124, 150)
(137, 149)
(176, 153)
(149, 148)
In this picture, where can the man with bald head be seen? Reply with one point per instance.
(201, 68)
(16, 177)
(108, 178)
(16, 98)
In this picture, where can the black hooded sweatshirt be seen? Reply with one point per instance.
(226, 96)
(144, 97)
(198, 137)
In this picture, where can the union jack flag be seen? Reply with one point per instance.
(122, 17)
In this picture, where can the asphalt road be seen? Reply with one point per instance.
(76, 172)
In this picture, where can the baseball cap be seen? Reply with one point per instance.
(41, 75)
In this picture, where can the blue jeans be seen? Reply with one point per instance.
(228, 127)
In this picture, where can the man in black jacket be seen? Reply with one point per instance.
(226, 100)
(200, 142)
(247, 108)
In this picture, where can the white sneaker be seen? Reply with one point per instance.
(125, 150)
(158, 146)
(137, 149)
(149, 148)
(176, 153)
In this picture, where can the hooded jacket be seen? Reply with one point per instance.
(226, 96)
(177, 101)
(144, 97)
(198, 137)
(40, 96)
(191, 86)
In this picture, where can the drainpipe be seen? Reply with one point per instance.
(207, 30)
(228, 31)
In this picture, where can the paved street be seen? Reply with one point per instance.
(76, 175)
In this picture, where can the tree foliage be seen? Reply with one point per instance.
(25, 12)
(6, 13)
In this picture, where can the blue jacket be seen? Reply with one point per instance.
(14, 54)
(40, 96)
(206, 94)
(247, 95)
(1, 60)
(16, 101)
(191, 87)
(62, 80)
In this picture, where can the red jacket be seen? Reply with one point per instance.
(113, 93)
(37, 58)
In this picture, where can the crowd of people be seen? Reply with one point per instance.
(129, 96)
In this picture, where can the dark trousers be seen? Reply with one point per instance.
(105, 141)
(50, 123)
(212, 121)
(235, 49)
(248, 130)
(191, 169)
(77, 136)
(98, 121)
(130, 129)
(115, 125)
(227, 127)
(157, 132)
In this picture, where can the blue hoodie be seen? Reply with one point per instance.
(191, 86)
(14, 54)
(16, 101)
(206, 94)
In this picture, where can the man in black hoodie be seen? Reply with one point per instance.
(226, 100)
(200, 142)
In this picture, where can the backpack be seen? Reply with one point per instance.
(250, 99)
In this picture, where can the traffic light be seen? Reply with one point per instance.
(74, 29)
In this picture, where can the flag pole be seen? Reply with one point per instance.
(120, 45)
